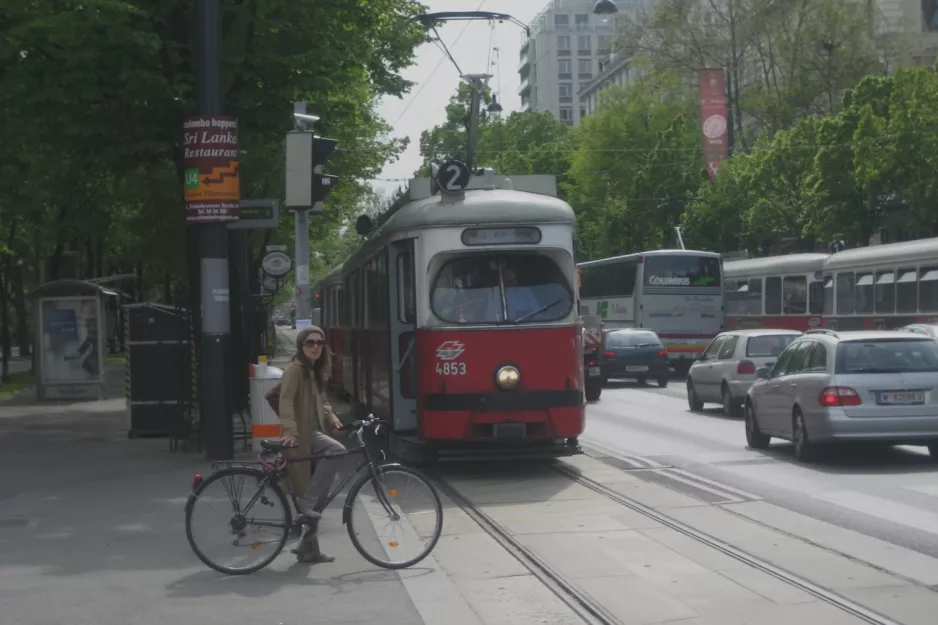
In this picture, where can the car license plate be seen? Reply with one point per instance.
(901, 398)
(594, 371)
(636, 368)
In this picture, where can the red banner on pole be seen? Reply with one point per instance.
(711, 88)
(211, 159)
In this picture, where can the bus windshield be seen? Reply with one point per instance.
(682, 270)
(476, 289)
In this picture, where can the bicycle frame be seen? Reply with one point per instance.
(275, 473)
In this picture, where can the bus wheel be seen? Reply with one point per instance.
(593, 391)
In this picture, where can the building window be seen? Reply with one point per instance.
(565, 90)
(584, 66)
(603, 41)
(582, 111)
(584, 43)
(563, 44)
(582, 21)
(564, 67)
(566, 115)
(562, 21)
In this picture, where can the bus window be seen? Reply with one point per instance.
(864, 292)
(816, 297)
(845, 293)
(828, 295)
(682, 270)
(475, 289)
(773, 296)
(615, 279)
(755, 296)
(885, 292)
(928, 283)
(907, 291)
(795, 295)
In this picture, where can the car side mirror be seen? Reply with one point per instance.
(703, 357)
(763, 373)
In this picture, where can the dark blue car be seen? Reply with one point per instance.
(634, 354)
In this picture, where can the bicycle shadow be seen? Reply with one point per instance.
(274, 580)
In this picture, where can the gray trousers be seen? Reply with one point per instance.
(326, 470)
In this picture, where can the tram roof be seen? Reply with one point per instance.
(477, 207)
(890, 253)
(790, 263)
(666, 252)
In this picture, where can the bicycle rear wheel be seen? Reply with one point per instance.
(224, 498)
(415, 516)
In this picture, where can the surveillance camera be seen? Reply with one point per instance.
(310, 119)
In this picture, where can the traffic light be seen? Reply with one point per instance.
(307, 185)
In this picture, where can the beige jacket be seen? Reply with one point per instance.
(304, 410)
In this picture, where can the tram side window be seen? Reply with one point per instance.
(828, 294)
(907, 291)
(864, 292)
(475, 289)
(928, 285)
(407, 303)
(736, 293)
(845, 293)
(885, 292)
(755, 296)
(773, 296)
(795, 295)
(816, 297)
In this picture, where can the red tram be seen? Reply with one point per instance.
(457, 320)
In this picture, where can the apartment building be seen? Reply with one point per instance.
(561, 56)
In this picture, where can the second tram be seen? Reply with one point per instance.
(456, 320)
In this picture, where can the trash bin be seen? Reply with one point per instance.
(264, 421)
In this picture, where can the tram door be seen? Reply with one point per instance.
(403, 326)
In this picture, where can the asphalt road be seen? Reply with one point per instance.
(887, 493)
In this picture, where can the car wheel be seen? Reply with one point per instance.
(933, 451)
(730, 407)
(754, 436)
(804, 448)
(662, 382)
(641, 381)
(692, 400)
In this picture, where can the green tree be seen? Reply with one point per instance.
(637, 161)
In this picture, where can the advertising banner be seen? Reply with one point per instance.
(69, 344)
(711, 86)
(211, 161)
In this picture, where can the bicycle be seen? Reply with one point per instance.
(372, 471)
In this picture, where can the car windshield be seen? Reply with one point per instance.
(632, 339)
(476, 289)
(887, 356)
(768, 345)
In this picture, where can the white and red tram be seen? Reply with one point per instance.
(457, 320)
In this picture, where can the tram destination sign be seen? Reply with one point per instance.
(501, 236)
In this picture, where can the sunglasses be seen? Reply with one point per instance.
(314, 342)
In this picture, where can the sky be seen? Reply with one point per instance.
(436, 77)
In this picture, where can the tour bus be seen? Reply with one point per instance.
(676, 293)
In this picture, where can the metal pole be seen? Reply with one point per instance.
(477, 82)
(216, 420)
(301, 257)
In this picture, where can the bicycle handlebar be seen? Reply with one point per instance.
(371, 422)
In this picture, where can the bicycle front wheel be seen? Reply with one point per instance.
(236, 521)
(396, 518)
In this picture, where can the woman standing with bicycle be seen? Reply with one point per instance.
(305, 417)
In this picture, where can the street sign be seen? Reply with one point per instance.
(257, 214)
(276, 264)
(272, 284)
(275, 248)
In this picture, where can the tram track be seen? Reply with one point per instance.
(593, 612)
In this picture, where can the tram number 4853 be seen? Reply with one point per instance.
(451, 368)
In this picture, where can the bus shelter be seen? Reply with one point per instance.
(71, 330)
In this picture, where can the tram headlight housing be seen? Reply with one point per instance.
(508, 377)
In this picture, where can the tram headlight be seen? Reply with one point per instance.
(508, 377)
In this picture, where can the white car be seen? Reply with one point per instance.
(727, 368)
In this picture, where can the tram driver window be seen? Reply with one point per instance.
(475, 289)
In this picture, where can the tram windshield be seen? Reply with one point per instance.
(476, 289)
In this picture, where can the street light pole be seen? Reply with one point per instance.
(215, 367)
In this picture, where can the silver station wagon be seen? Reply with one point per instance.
(827, 386)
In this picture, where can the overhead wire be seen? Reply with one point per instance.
(435, 69)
